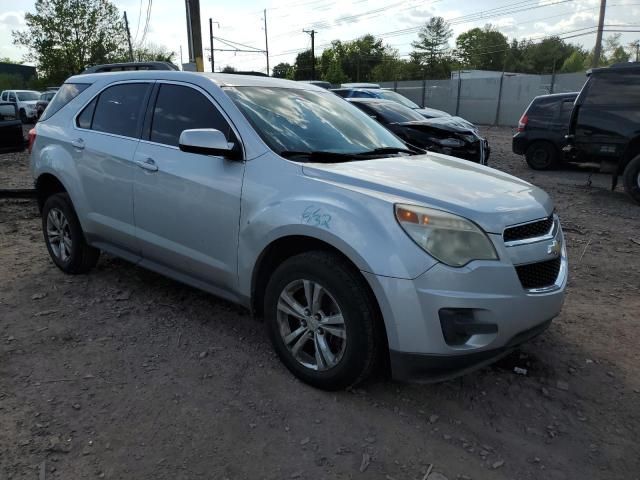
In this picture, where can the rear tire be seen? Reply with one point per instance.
(314, 345)
(542, 156)
(64, 237)
(631, 178)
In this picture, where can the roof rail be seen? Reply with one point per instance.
(128, 66)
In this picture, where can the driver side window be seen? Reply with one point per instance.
(180, 108)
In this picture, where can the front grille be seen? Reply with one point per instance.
(528, 230)
(539, 275)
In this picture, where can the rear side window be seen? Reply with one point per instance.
(86, 117)
(546, 108)
(181, 108)
(4, 96)
(64, 95)
(119, 109)
(614, 89)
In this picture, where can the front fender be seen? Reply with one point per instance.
(359, 225)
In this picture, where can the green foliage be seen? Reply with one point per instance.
(303, 66)
(9, 60)
(432, 48)
(283, 70)
(482, 49)
(65, 36)
(11, 82)
(575, 62)
(151, 53)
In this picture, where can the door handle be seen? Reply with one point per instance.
(147, 164)
(78, 143)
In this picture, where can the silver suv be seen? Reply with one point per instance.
(360, 252)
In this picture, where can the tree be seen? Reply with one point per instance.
(228, 69)
(482, 49)
(614, 52)
(283, 70)
(575, 62)
(8, 60)
(152, 53)
(303, 66)
(65, 36)
(432, 48)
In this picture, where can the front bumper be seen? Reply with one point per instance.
(496, 311)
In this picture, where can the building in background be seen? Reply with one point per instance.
(25, 71)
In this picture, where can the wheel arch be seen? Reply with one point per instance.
(288, 246)
(48, 184)
(631, 151)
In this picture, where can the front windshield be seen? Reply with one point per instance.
(395, 113)
(396, 97)
(27, 96)
(297, 120)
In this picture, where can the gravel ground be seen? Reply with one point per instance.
(125, 374)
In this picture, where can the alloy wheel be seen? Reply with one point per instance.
(311, 325)
(59, 234)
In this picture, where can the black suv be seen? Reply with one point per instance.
(542, 130)
(605, 124)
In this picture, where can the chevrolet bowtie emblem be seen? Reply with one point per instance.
(554, 249)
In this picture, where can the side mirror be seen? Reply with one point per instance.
(208, 141)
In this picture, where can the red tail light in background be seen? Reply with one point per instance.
(32, 138)
(522, 124)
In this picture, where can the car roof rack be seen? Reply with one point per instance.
(128, 66)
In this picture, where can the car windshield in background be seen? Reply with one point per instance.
(396, 97)
(297, 120)
(395, 113)
(28, 96)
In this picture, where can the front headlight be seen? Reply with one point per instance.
(451, 239)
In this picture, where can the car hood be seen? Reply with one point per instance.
(490, 198)
(448, 124)
(28, 102)
(431, 112)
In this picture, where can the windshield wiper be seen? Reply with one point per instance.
(330, 157)
(391, 150)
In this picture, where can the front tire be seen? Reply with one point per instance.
(64, 237)
(322, 321)
(23, 116)
(542, 156)
(631, 178)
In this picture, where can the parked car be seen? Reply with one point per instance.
(11, 136)
(43, 101)
(359, 85)
(318, 83)
(401, 99)
(442, 134)
(605, 124)
(24, 100)
(286, 199)
(542, 130)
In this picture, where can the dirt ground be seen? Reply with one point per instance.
(123, 374)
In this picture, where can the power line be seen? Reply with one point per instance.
(454, 21)
(139, 18)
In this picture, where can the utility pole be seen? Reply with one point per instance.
(266, 42)
(597, 51)
(636, 45)
(194, 32)
(126, 24)
(313, 52)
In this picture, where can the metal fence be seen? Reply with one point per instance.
(499, 100)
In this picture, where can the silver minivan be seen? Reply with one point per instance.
(361, 253)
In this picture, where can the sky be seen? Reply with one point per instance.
(395, 21)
